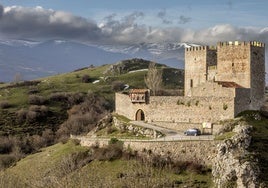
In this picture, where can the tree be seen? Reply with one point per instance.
(153, 79)
(17, 77)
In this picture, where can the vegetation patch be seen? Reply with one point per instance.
(225, 135)
(70, 165)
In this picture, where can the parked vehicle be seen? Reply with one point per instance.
(192, 132)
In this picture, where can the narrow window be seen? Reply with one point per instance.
(191, 83)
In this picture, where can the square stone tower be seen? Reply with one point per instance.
(197, 61)
(237, 64)
(244, 64)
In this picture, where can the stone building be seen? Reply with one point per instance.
(220, 82)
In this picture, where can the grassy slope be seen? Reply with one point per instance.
(17, 96)
(259, 143)
(43, 169)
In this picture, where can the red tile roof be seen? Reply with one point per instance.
(229, 84)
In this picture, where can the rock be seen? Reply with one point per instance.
(233, 165)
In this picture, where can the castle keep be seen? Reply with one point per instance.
(220, 82)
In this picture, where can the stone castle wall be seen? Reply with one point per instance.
(234, 63)
(202, 152)
(257, 76)
(196, 59)
(238, 66)
(177, 108)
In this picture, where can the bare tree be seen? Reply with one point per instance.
(153, 79)
(17, 77)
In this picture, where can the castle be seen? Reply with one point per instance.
(220, 82)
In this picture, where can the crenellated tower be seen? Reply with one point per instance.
(197, 63)
(242, 64)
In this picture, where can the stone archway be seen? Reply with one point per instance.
(140, 115)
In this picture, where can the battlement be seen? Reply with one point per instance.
(239, 43)
(200, 48)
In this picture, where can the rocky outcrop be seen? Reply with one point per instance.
(234, 165)
(137, 130)
(110, 120)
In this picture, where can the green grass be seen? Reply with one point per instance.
(122, 118)
(259, 140)
(225, 135)
(17, 94)
(43, 169)
(36, 166)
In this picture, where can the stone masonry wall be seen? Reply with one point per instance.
(202, 152)
(178, 109)
(197, 59)
(257, 54)
(209, 89)
(234, 63)
(242, 100)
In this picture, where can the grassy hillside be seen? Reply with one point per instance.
(58, 93)
(62, 165)
(259, 141)
(36, 114)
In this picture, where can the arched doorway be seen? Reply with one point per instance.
(140, 115)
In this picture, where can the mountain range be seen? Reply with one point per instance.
(28, 60)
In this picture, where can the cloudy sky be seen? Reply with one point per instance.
(135, 21)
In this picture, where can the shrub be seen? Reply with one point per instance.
(83, 117)
(86, 78)
(21, 114)
(68, 98)
(40, 110)
(7, 160)
(113, 141)
(6, 145)
(59, 96)
(33, 90)
(36, 99)
(4, 104)
(32, 114)
(225, 106)
(117, 86)
(109, 153)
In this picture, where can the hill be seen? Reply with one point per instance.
(38, 113)
(58, 93)
(34, 59)
(70, 165)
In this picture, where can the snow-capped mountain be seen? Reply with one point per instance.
(171, 54)
(34, 59)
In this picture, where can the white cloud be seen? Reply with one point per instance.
(39, 23)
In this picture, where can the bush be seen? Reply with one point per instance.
(21, 115)
(117, 86)
(7, 160)
(6, 145)
(109, 153)
(33, 90)
(4, 104)
(36, 99)
(32, 114)
(83, 117)
(86, 78)
(69, 98)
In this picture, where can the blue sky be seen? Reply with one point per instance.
(128, 21)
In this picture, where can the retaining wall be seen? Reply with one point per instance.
(201, 152)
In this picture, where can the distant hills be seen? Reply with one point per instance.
(29, 60)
